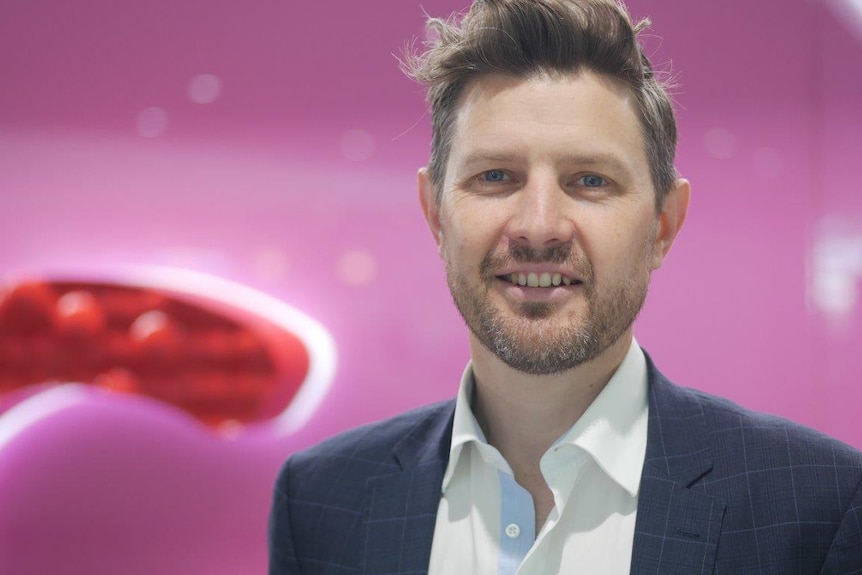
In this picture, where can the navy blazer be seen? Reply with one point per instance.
(723, 490)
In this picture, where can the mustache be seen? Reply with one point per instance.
(524, 254)
(557, 254)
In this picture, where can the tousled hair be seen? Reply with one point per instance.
(522, 38)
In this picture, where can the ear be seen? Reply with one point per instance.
(428, 201)
(671, 218)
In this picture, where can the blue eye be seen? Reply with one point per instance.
(592, 181)
(494, 176)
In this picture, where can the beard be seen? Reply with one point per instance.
(535, 339)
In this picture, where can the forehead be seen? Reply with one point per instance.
(549, 117)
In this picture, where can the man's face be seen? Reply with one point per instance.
(547, 222)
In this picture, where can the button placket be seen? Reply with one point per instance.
(517, 516)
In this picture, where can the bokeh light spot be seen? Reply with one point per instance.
(149, 324)
(204, 89)
(720, 143)
(837, 268)
(357, 268)
(152, 122)
(75, 302)
(78, 313)
(357, 145)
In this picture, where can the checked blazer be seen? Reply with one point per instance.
(724, 490)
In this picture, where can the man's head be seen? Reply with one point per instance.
(522, 38)
(543, 192)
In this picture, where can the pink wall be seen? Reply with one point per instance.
(275, 144)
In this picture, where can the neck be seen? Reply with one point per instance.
(522, 414)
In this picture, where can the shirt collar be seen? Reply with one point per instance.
(613, 430)
(465, 428)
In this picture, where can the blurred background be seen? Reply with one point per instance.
(264, 155)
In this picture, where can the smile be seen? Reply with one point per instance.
(533, 279)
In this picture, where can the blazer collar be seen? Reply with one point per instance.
(677, 525)
(678, 437)
(401, 508)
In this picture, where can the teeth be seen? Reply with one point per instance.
(533, 279)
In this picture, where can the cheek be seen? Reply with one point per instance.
(622, 251)
(460, 251)
(470, 234)
(453, 246)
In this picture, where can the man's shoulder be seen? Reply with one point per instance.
(768, 431)
(739, 432)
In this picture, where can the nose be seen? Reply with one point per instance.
(541, 216)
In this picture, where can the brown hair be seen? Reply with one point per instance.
(525, 37)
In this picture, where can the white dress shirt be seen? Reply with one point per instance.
(486, 521)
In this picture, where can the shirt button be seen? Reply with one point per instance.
(512, 531)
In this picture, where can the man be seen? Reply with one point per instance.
(552, 196)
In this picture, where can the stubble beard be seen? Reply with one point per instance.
(532, 337)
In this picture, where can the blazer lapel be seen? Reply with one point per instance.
(678, 527)
(401, 508)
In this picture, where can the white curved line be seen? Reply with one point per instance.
(318, 341)
(22, 415)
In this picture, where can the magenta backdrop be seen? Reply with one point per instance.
(275, 144)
